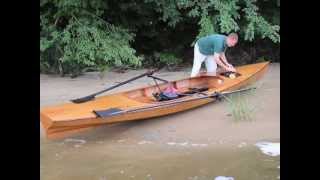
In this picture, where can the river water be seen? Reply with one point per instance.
(199, 144)
(121, 159)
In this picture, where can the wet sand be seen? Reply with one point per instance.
(197, 144)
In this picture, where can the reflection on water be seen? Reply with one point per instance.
(83, 160)
(269, 148)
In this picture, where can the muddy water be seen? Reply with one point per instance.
(200, 144)
(126, 160)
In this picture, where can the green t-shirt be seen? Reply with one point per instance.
(211, 44)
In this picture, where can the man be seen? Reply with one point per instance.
(211, 49)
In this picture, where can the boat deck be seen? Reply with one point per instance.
(69, 116)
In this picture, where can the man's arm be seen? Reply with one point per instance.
(224, 59)
(220, 62)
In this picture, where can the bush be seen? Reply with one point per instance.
(81, 35)
(73, 39)
(223, 16)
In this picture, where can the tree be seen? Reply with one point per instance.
(81, 34)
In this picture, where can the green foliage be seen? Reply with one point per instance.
(81, 35)
(228, 13)
(258, 24)
(81, 39)
(169, 10)
(222, 16)
(261, 59)
(164, 59)
(167, 59)
(206, 27)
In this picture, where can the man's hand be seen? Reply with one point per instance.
(225, 65)
(230, 68)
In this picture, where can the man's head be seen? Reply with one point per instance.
(232, 39)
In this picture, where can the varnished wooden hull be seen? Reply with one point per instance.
(66, 119)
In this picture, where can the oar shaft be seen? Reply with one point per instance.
(213, 95)
(91, 96)
(156, 106)
(120, 84)
(163, 80)
(239, 90)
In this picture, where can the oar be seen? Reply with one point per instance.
(115, 111)
(163, 80)
(235, 91)
(92, 96)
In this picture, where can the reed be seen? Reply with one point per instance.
(240, 107)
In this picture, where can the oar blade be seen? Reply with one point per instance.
(83, 99)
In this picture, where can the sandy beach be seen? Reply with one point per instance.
(201, 143)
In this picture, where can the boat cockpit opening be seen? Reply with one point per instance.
(170, 95)
(176, 89)
(231, 75)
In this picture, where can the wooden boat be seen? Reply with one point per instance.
(69, 118)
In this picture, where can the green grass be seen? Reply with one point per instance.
(240, 107)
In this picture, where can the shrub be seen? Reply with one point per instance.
(73, 38)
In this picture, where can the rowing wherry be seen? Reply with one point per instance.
(69, 118)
